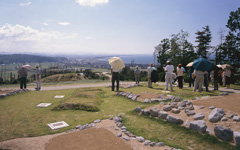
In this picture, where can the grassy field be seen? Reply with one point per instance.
(19, 116)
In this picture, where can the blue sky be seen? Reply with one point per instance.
(105, 26)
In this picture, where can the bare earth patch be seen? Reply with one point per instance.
(102, 136)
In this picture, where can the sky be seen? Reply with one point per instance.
(115, 27)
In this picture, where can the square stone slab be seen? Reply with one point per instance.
(59, 96)
(58, 125)
(44, 104)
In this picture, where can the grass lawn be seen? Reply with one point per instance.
(19, 116)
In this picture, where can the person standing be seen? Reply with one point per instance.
(137, 73)
(169, 73)
(23, 73)
(115, 77)
(191, 81)
(199, 80)
(38, 77)
(206, 81)
(180, 76)
(215, 77)
(228, 79)
(149, 71)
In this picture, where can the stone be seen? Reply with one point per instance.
(130, 96)
(146, 112)
(236, 118)
(119, 124)
(216, 115)
(189, 112)
(173, 119)
(97, 121)
(185, 100)
(198, 116)
(208, 130)
(138, 109)
(186, 123)
(162, 114)
(224, 119)
(111, 118)
(196, 98)
(152, 144)
(190, 107)
(211, 107)
(189, 103)
(123, 128)
(231, 116)
(176, 99)
(202, 107)
(146, 101)
(175, 111)
(223, 133)
(160, 144)
(140, 139)
(199, 126)
(182, 104)
(134, 98)
(126, 138)
(236, 138)
(180, 108)
(119, 135)
(147, 142)
(154, 111)
(167, 108)
(118, 119)
(92, 125)
(154, 100)
(223, 93)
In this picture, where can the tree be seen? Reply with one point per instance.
(163, 49)
(219, 54)
(232, 43)
(204, 39)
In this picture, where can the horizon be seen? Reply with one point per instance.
(100, 27)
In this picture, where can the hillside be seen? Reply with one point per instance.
(22, 58)
(63, 78)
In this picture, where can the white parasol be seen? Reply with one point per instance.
(116, 63)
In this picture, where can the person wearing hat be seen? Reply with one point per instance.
(149, 71)
(169, 75)
(137, 73)
(180, 76)
(38, 78)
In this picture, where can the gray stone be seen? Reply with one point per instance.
(208, 130)
(119, 135)
(176, 99)
(190, 107)
(196, 98)
(167, 108)
(186, 123)
(92, 125)
(211, 107)
(185, 100)
(97, 121)
(154, 111)
(173, 119)
(160, 144)
(198, 125)
(175, 111)
(123, 128)
(130, 96)
(138, 109)
(223, 133)
(189, 103)
(134, 98)
(224, 119)
(216, 115)
(119, 124)
(162, 114)
(147, 142)
(231, 116)
(118, 119)
(152, 144)
(146, 112)
(189, 112)
(146, 101)
(223, 93)
(236, 118)
(180, 108)
(126, 138)
(236, 137)
(154, 100)
(140, 139)
(182, 104)
(111, 118)
(198, 116)
(202, 107)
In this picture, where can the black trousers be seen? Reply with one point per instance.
(23, 82)
(180, 81)
(115, 77)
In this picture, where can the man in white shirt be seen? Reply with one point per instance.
(115, 77)
(169, 75)
(149, 71)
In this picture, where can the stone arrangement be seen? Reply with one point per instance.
(13, 92)
(199, 125)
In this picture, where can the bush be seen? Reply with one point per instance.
(69, 106)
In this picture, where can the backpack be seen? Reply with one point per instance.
(154, 75)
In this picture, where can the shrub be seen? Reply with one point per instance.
(69, 106)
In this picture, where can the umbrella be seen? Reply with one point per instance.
(27, 67)
(202, 64)
(116, 63)
(189, 64)
(219, 66)
(226, 66)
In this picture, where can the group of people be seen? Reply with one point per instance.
(197, 78)
(23, 73)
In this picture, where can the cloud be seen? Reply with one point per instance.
(64, 23)
(45, 23)
(91, 3)
(25, 4)
(21, 33)
(88, 38)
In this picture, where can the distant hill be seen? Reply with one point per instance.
(22, 58)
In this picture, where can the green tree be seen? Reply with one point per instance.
(162, 49)
(204, 39)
